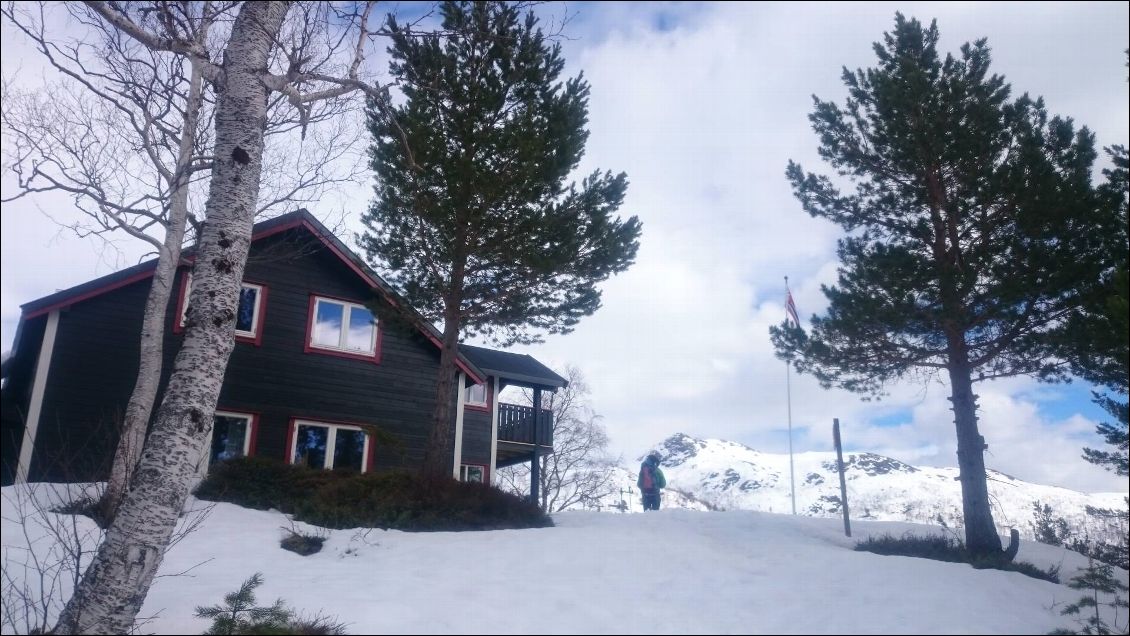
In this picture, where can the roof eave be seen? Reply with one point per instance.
(518, 378)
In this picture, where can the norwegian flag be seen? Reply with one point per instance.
(790, 308)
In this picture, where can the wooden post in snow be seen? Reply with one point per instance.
(840, 467)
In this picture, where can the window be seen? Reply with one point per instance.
(333, 446)
(247, 317)
(473, 473)
(231, 436)
(476, 395)
(343, 327)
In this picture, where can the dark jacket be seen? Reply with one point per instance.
(652, 464)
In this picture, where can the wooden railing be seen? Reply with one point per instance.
(515, 424)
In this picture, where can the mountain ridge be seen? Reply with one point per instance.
(716, 474)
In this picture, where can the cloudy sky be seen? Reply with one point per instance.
(703, 105)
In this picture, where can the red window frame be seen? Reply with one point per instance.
(485, 408)
(486, 473)
(370, 442)
(182, 300)
(374, 357)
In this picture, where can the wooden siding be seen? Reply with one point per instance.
(92, 374)
(96, 361)
(476, 436)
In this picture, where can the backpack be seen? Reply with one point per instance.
(647, 477)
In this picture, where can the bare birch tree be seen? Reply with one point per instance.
(115, 96)
(81, 140)
(268, 61)
(579, 470)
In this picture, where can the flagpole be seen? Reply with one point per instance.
(789, 402)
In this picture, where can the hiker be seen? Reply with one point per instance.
(650, 481)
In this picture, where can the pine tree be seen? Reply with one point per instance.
(1047, 528)
(476, 226)
(971, 219)
(1097, 341)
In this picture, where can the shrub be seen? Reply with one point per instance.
(316, 625)
(399, 500)
(302, 543)
(949, 549)
(255, 482)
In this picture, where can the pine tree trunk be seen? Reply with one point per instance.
(136, 420)
(115, 585)
(436, 454)
(981, 536)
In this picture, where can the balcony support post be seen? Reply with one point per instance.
(535, 462)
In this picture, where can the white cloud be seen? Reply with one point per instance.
(704, 117)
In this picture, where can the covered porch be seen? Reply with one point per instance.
(521, 433)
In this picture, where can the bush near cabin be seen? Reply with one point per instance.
(397, 500)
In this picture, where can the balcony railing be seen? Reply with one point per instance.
(515, 424)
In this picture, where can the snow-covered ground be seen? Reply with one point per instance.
(675, 571)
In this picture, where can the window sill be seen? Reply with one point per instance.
(374, 358)
(253, 340)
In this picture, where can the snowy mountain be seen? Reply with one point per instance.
(716, 474)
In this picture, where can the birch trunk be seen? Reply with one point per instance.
(136, 420)
(114, 587)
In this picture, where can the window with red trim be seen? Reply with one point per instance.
(330, 446)
(247, 317)
(476, 395)
(475, 473)
(343, 327)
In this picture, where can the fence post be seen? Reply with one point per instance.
(840, 466)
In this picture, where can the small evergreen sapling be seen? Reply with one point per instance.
(1048, 528)
(240, 615)
(1098, 577)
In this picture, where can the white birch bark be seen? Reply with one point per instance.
(114, 587)
(151, 358)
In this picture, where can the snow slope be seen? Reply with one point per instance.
(675, 571)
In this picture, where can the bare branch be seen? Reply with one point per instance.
(112, 13)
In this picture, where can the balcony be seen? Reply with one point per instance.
(515, 424)
(516, 433)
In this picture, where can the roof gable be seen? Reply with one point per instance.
(300, 219)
